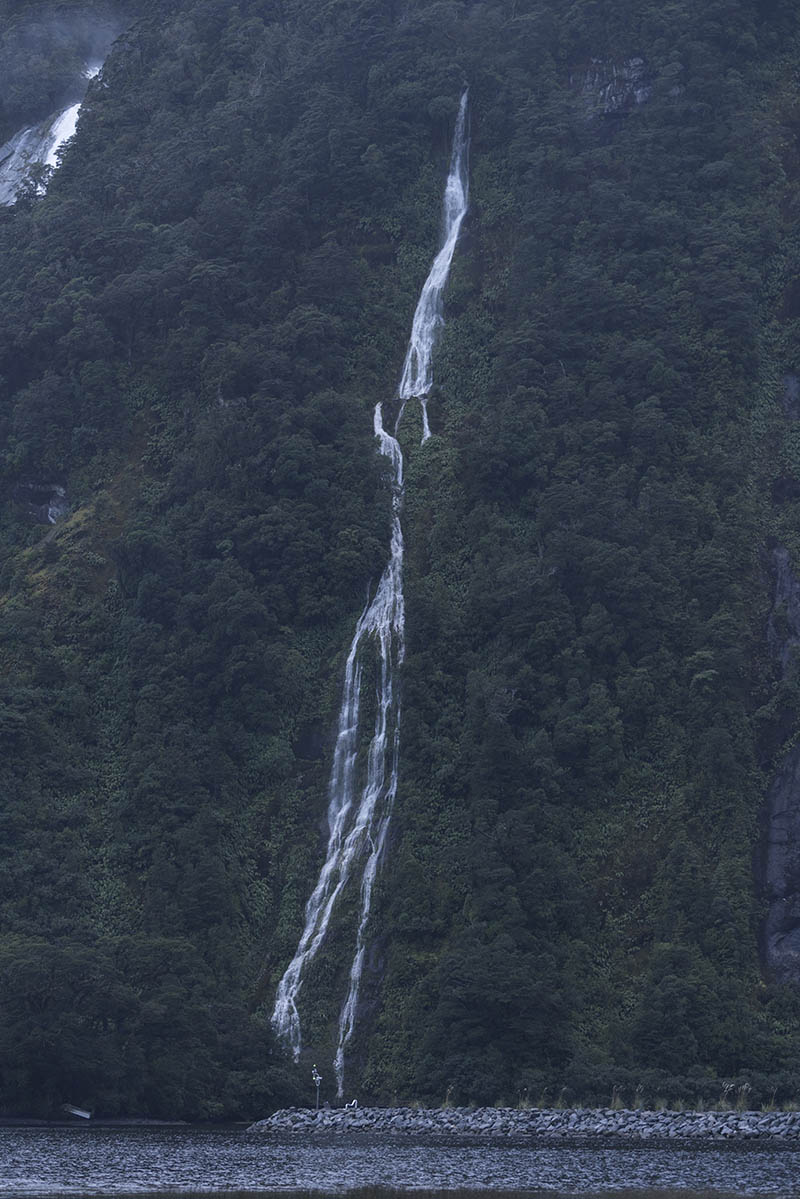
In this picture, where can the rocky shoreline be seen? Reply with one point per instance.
(542, 1124)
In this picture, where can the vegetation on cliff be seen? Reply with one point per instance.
(195, 323)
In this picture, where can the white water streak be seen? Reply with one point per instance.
(358, 826)
(383, 622)
(417, 377)
(62, 130)
(37, 146)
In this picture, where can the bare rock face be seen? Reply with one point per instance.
(612, 89)
(790, 396)
(783, 626)
(781, 872)
(44, 503)
(780, 865)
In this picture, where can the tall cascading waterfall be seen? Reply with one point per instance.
(359, 813)
(37, 146)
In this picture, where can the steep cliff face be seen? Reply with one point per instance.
(783, 626)
(781, 847)
(782, 872)
(612, 89)
(197, 323)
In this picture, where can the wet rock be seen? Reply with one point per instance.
(790, 396)
(783, 625)
(44, 503)
(613, 89)
(781, 872)
(780, 856)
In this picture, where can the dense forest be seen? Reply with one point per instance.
(600, 693)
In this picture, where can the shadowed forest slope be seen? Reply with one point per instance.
(195, 324)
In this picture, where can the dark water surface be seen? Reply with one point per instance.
(92, 1161)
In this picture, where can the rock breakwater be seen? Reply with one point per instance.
(540, 1123)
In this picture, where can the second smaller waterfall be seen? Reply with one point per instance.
(37, 146)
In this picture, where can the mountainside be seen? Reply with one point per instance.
(590, 878)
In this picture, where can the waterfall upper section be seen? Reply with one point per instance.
(38, 146)
(417, 377)
(362, 789)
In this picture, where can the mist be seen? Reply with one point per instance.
(45, 52)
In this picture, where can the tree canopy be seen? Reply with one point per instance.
(196, 321)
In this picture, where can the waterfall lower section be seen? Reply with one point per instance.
(37, 147)
(359, 811)
(356, 827)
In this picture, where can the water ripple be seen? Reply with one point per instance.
(36, 1162)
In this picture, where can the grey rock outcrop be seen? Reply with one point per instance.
(612, 89)
(790, 396)
(781, 872)
(783, 626)
(780, 859)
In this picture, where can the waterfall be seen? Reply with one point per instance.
(349, 830)
(417, 377)
(358, 816)
(37, 146)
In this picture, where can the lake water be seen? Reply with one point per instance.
(93, 1161)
